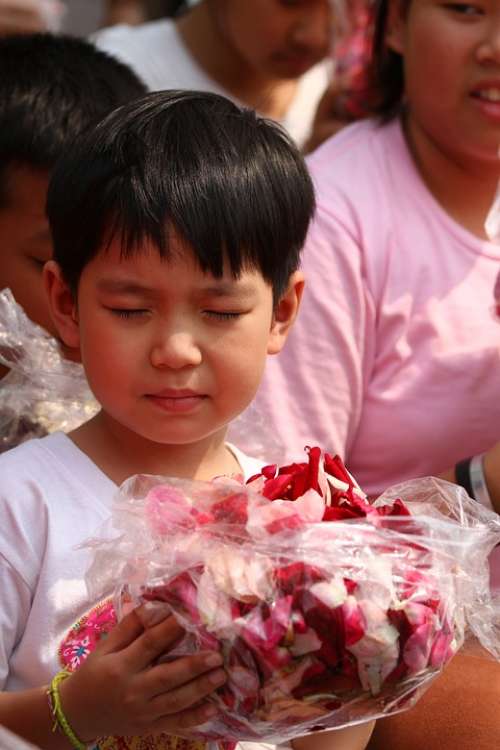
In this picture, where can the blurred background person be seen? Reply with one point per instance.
(80, 17)
(52, 87)
(29, 16)
(270, 55)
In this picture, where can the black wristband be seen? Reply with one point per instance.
(462, 476)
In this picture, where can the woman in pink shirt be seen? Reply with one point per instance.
(395, 359)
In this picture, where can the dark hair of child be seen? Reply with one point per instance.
(387, 74)
(230, 184)
(52, 88)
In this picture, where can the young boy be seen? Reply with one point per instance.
(51, 88)
(177, 226)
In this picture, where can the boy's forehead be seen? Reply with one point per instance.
(145, 270)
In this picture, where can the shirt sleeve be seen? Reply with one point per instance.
(15, 598)
(312, 392)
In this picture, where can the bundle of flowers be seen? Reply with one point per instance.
(328, 610)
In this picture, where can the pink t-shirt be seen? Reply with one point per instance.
(394, 361)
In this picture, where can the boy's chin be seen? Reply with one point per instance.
(185, 438)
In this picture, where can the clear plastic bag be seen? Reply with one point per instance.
(42, 392)
(321, 624)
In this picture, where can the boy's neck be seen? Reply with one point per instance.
(269, 96)
(120, 453)
(464, 188)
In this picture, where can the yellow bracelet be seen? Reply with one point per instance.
(60, 719)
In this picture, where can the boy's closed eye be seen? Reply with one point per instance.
(222, 315)
(128, 314)
(139, 313)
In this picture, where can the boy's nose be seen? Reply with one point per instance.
(175, 351)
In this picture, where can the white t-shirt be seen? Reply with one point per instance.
(52, 498)
(158, 55)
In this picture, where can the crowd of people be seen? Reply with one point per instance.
(163, 229)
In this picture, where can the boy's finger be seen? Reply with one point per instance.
(154, 642)
(123, 634)
(163, 678)
(188, 695)
(181, 723)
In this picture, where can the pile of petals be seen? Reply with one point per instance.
(328, 610)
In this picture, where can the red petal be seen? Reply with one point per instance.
(232, 509)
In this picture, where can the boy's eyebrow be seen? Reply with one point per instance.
(228, 289)
(219, 289)
(125, 286)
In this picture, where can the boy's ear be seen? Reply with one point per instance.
(285, 313)
(396, 24)
(62, 305)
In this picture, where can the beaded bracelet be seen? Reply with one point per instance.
(60, 719)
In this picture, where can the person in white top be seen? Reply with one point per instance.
(267, 54)
(174, 274)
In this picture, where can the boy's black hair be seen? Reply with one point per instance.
(229, 183)
(387, 69)
(52, 88)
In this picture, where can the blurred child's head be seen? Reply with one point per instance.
(442, 60)
(177, 226)
(51, 88)
(275, 38)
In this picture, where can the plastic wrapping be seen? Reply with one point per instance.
(42, 392)
(251, 429)
(321, 623)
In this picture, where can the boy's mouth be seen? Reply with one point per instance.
(173, 400)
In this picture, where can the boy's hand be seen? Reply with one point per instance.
(121, 690)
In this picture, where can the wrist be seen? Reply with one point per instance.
(74, 711)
